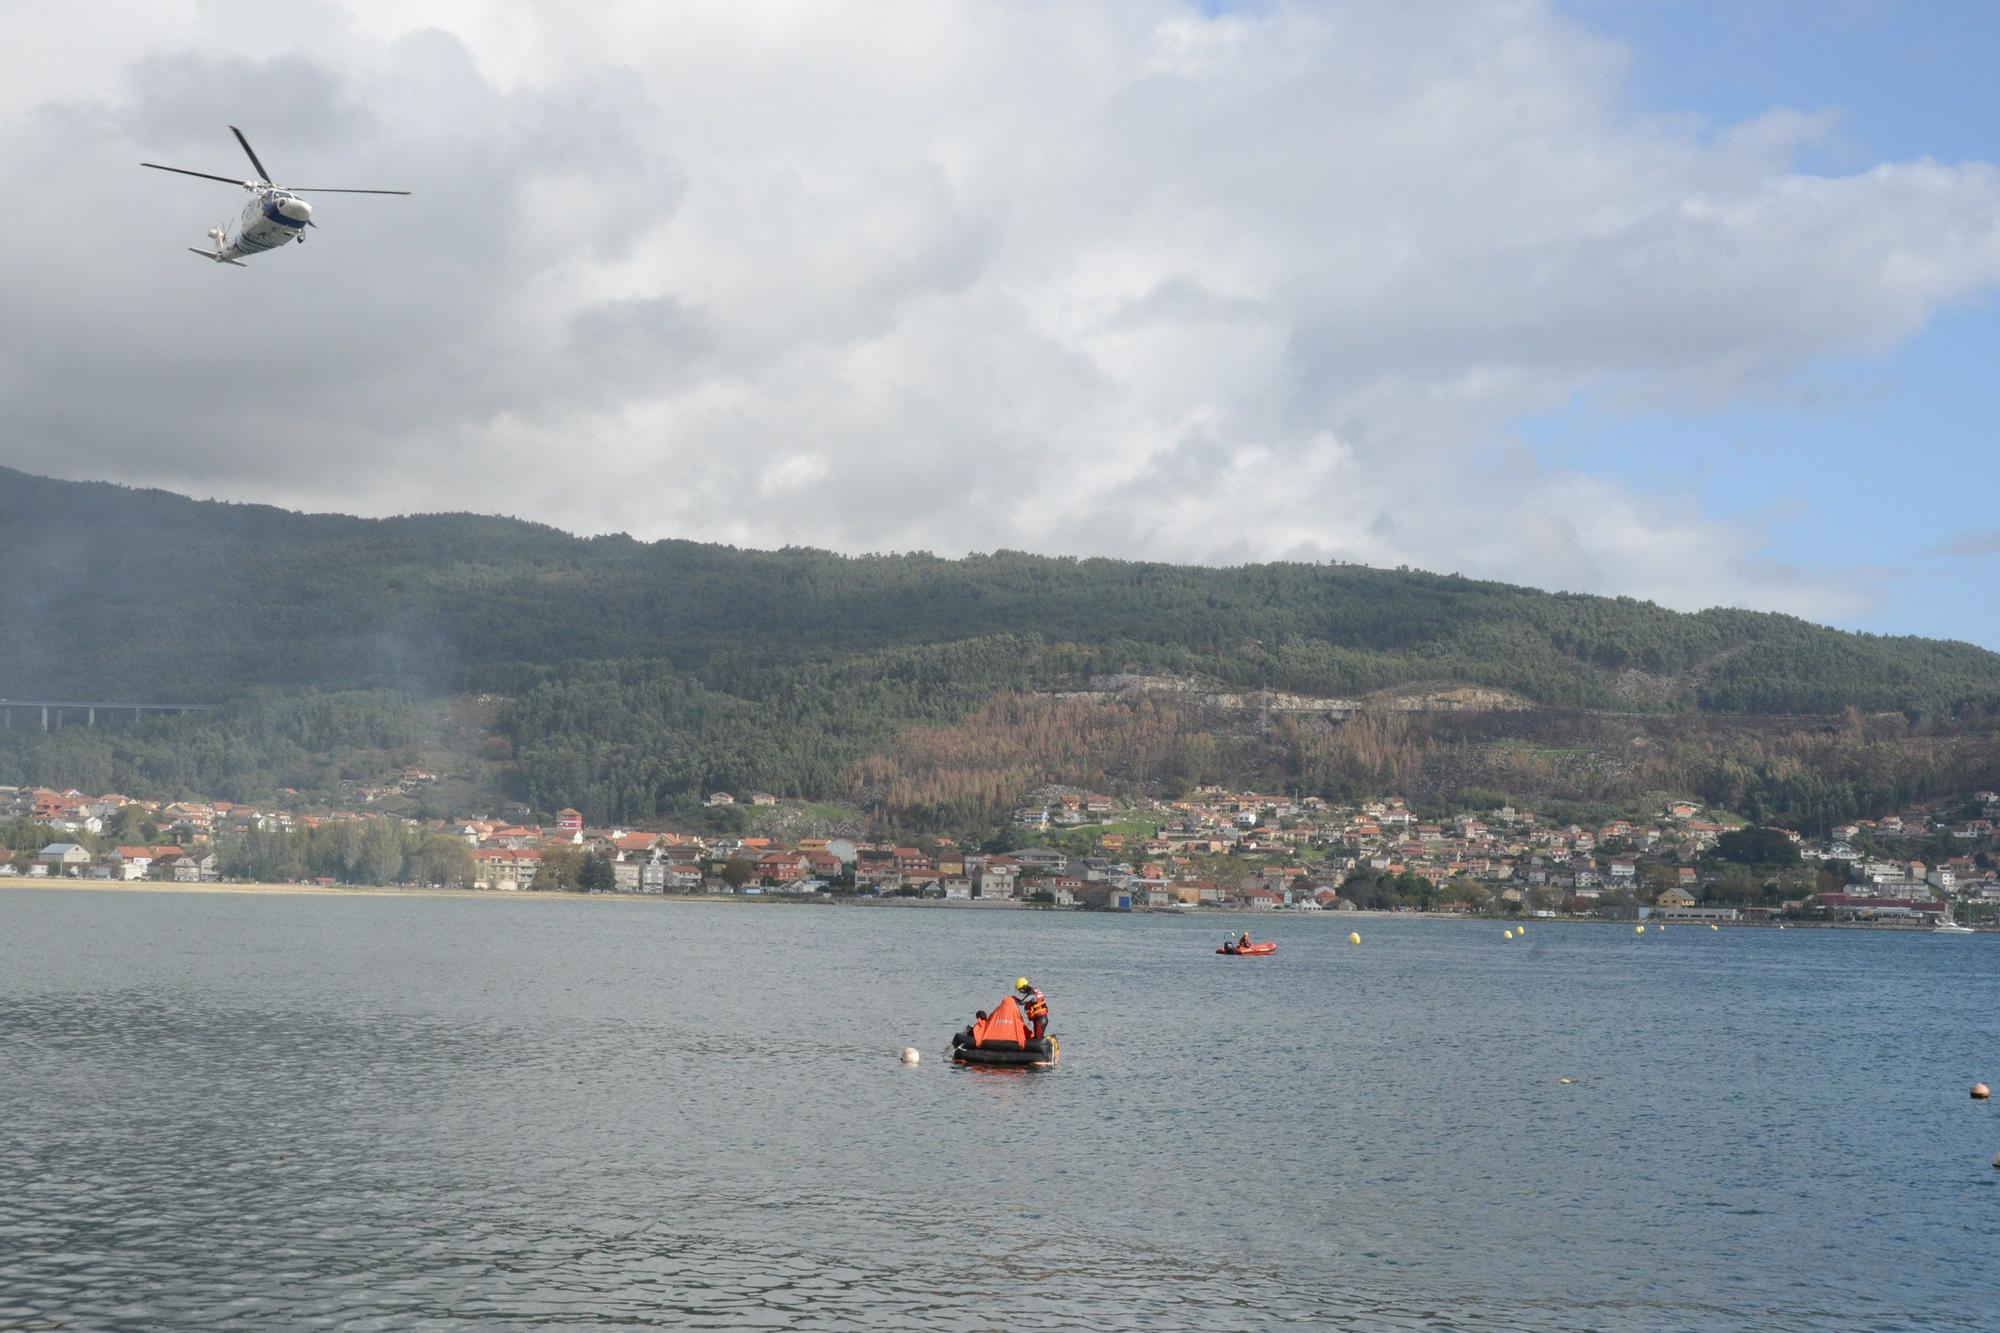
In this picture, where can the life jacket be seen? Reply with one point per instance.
(1037, 1006)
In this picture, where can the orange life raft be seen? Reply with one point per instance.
(1001, 1038)
(1261, 947)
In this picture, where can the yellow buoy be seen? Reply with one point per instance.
(1354, 937)
(1562, 1080)
(1980, 1092)
(1713, 926)
(1638, 930)
(1520, 930)
(1506, 934)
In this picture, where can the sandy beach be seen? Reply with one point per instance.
(319, 890)
(516, 895)
(66, 885)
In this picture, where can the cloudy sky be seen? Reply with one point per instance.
(1683, 301)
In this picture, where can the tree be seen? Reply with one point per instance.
(443, 859)
(27, 837)
(130, 826)
(738, 872)
(560, 870)
(1738, 886)
(263, 857)
(1757, 847)
(1800, 882)
(728, 820)
(378, 852)
(595, 875)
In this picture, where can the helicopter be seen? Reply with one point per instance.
(274, 215)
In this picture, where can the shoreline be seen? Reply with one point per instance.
(299, 890)
(66, 885)
(45, 884)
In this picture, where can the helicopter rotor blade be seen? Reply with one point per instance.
(316, 189)
(226, 180)
(262, 174)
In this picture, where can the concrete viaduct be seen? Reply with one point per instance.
(52, 710)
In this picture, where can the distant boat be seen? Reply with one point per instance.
(1948, 926)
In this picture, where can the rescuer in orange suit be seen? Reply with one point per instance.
(1034, 1006)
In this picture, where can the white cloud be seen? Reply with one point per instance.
(1094, 279)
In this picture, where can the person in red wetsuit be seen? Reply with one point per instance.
(1034, 1007)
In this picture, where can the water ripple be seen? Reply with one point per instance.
(460, 1114)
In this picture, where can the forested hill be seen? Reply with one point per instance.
(110, 592)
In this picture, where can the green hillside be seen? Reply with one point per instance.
(110, 591)
(639, 673)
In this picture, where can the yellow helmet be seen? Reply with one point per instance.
(1022, 984)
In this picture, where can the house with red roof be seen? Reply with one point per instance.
(130, 862)
(633, 846)
(781, 867)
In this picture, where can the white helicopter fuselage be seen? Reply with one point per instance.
(268, 220)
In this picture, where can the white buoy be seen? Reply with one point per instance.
(911, 1055)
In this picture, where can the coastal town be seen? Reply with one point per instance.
(1212, 849)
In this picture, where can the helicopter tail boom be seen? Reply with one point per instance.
(217, 257)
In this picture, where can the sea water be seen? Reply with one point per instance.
(426, 1112)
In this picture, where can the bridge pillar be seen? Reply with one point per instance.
(45, 717)
(90, 716)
